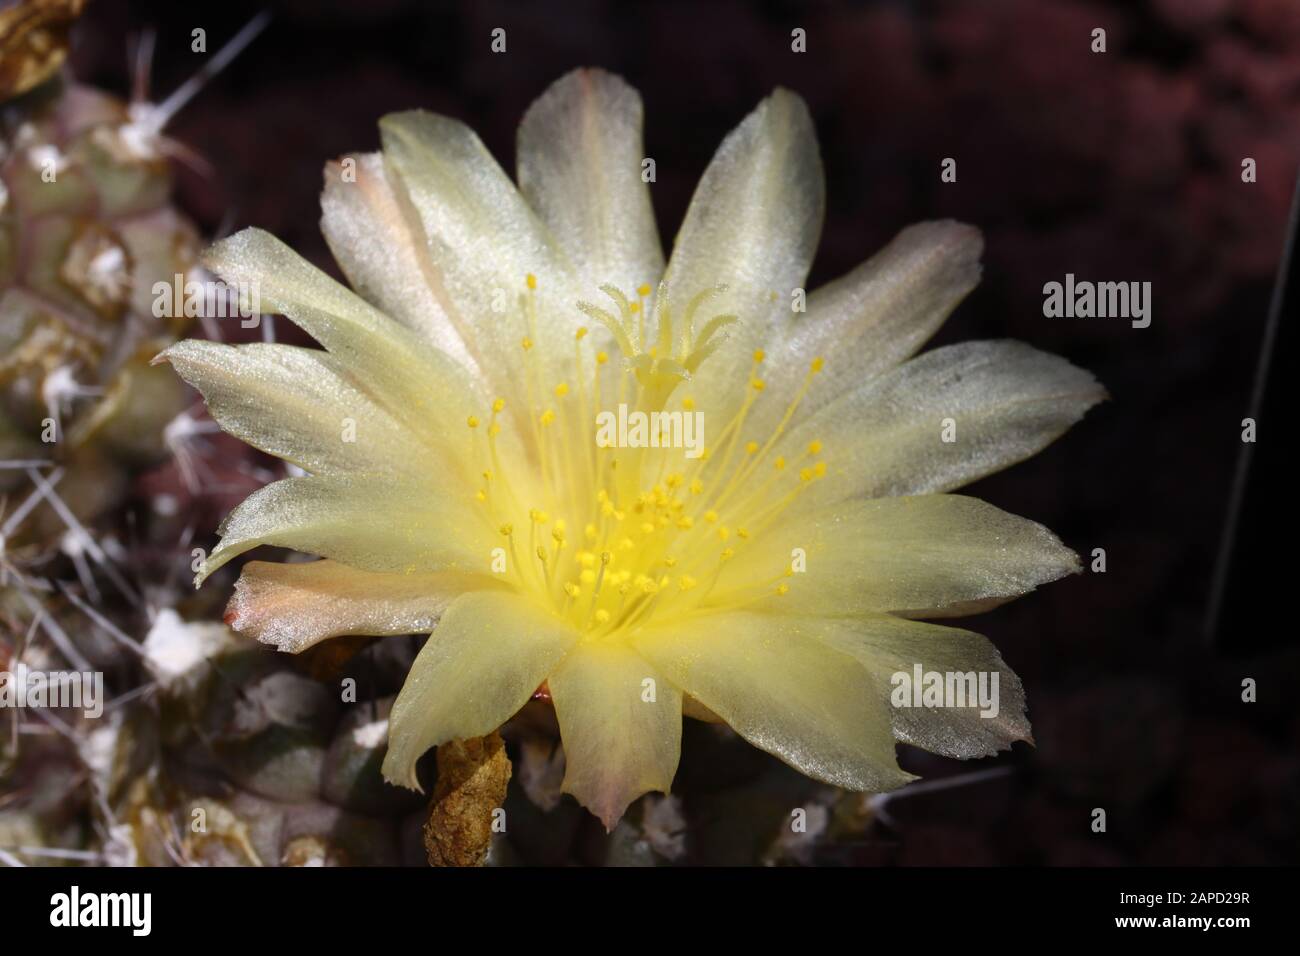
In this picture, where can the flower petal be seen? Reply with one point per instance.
(752, 226)
(1007, 401)
(579, 160)
(415, 381)
(487, 656)
(482, 242)
(754, 221)
(294, 606)
(890, 646)
(913, 556)
(618, 744)
(782, 689)
(296, 404)
(868, 321)
(339, 519)
(368, 233)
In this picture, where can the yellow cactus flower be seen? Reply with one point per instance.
(771, 577)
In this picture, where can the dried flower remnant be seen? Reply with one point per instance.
(453, 481)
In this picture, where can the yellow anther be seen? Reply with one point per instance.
(561, 390)
(688, 403)
(819, 469)
(670, 562)
(780, 463)
(526, 342)
(541, 554)
(481, 495)
(581, 333)
(532, 281)
(538, 516)
(783, 588)
(751, 447)
(758, 384)
(686, 582)
(742, 533)
(602, 358)
(548, 416)
(759, 355)
(805, 474)
(815, 448)
(602, 616)
(727, 554)
(494, 430)
(634, 307)
(818, 364)
(711, 516)
(685, 522)
(572, 589)
(472, 422)
(697, 487)
(498, 404)
(606, 557)
(724, 533)
(558, 534)
(643, 290)
(507, 529)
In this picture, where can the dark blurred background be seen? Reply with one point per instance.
(1118, 166)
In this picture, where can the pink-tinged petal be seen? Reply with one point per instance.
(294, 606)
(580, 158)
(363, 222)
(621, 725)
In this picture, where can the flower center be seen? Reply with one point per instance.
(616, 532)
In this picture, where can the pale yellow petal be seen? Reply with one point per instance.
(753, 227)
(914, 556)
(482, 242)
(780, 687)
(621, 725)
(965, 725)
(417, 383)
(579, 158)
(372, 241)
(754, 221)
(1000, 402)
(868, 321)
(295, 606)
(489, 653)
(340, 519)
(296, 404)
